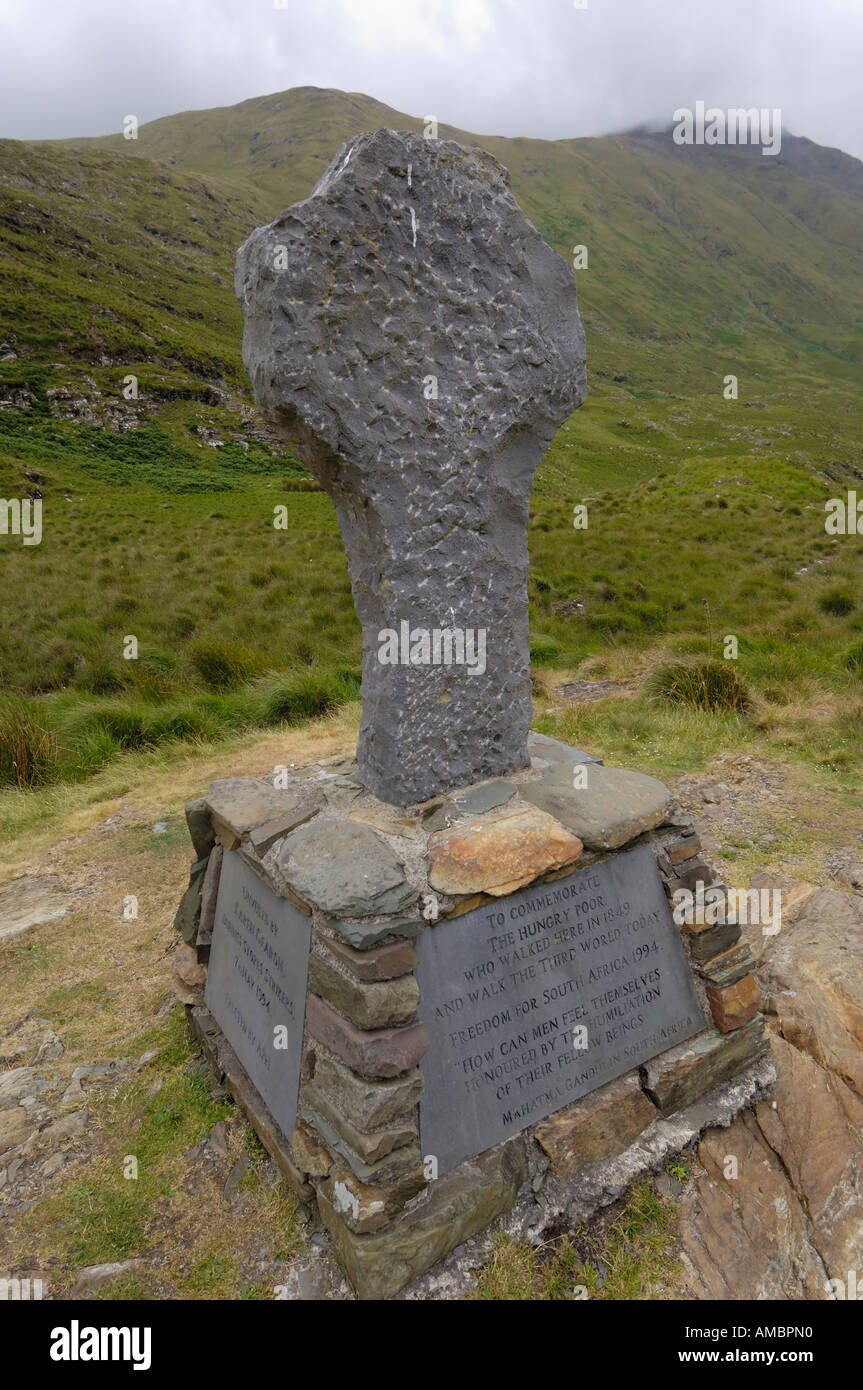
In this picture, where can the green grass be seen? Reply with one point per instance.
(632, 1256)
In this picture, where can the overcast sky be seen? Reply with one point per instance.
(508, 67)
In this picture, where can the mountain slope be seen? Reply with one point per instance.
(691, 249)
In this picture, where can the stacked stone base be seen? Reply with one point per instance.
(372, 877)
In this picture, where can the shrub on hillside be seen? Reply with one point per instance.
(708, 685)
(222, 664)
(308, 694)
(837, 602)
(29, 755)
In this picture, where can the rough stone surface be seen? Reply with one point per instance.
(499, 854)
(382, 1052)
(473, 801)
(678, 1077)
(812, 981)
(31, 902)
(746, 1237)
(729, 966)
(597, 1127)
(733, 1005)
(459, 1204)
(613, 808)
(244, 803)
(95, 1277)
(385, 962)
(551, 750)
(365, 936)
(682, 847)
(367, 1104)
(309, 1153)
(365, 1207)
(201, 831)
(369, 1147)
(344, 868)
(209, 896)
(707, 940)
(816, 1128)
(412, 259)
(392, 1164)
(376, 1004)
(189, 977)
(188, 914)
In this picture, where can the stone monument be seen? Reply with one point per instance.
(443, 979)
(418, 345)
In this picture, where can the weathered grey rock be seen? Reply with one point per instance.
(614, 807)
(812, 979)
(411, 260)
(551, 750)
(200, 829)
(370, 1004)
(49, 1049)
(364, 936)
(380, 1052)
(678, 1077)
(387, 962)
(365, 1207)
(393, 1163)
(188, 914)
(95, 1277)
(209, 896)
(729, 966)
(473, 801)
(22, 1083)
(31, 902)
(244, 803)
(344, 868)
(365, 1146)
(460, 1203)
(367, 1104)
(598, 1126)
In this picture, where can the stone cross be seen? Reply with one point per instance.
(416, 342)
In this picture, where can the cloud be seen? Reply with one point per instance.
(510, 67)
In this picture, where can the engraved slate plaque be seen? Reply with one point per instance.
(256, 982)
(537, 999)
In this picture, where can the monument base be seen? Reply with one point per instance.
(475, 1008)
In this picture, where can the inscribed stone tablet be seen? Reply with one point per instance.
(256, 983)
(533, 1001)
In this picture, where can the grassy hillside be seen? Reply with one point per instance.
(116, 261)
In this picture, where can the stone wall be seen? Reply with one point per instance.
(372, 877)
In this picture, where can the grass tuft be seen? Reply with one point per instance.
(707, 685)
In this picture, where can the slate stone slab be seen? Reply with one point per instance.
(345, 868)
(257, 982)
(503, 988)
(416, 342)
(244, 803)
(612, 808)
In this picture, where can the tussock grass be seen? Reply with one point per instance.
(707, 685)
